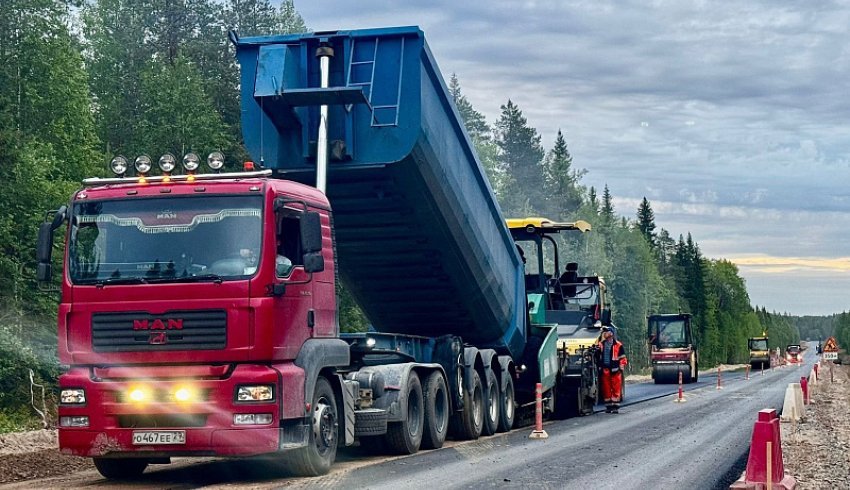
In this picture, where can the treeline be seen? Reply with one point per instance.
(648, 271)
(82, 81)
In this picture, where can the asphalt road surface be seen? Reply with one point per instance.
(652, 443)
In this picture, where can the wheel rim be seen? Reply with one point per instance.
(509, 401)
(477, 406)
(414, 408)
(324, 426)
(493, 404)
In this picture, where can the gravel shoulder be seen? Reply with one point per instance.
(35, 454)
(817, 451)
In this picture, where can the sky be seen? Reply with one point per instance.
(732, 118)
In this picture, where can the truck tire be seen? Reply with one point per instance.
(507, 405)
(317, 457)
(491, 405)
(436, 411)
(370, 422)
(120, 469)
(405, 437)
(471, 421)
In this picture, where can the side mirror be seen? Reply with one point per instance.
(311, 233)
(606, 317)
(314, 262)
(44, 246)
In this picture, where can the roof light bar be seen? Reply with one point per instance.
(178, 178)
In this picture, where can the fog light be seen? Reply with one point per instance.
(185, 394)
(139, 395)
(75, 421)
(72, 396)
(119, 165)
(215, 160)
(258, 393)
(252, 419)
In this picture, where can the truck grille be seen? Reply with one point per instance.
(174, 330)
(151, 421)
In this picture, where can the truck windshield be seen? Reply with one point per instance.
(760, 344)
(167, 239)
(671, 333)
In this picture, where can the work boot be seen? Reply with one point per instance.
(615, 409)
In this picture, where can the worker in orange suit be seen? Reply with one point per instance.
(611, 361)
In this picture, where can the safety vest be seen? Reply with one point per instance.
(616, 352)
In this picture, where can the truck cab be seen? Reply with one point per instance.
(794, 354)
(672, 349)
(759, 352)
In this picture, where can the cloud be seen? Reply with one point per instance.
(768, 264)
(732, 117)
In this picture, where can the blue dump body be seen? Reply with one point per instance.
(421, 242)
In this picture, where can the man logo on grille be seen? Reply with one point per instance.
(157, 338)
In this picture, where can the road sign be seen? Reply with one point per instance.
(831, 345)
(830, 356)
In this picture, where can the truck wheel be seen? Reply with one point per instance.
(317, 457)
(507, 405)
(491, 406)
(471, 420)
(370, 422)
(436, 411)
(405, 437)
(120, 469)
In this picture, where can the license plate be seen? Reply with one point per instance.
(159, 437)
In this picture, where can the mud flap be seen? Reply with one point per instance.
(349, 389)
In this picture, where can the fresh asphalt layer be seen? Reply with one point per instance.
(652, 443)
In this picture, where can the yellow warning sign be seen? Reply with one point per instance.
(831, 345)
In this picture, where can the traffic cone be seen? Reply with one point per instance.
(765, 468)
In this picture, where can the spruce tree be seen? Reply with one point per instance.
(476, 124)
(646, 222)
(521, 156)
(607, 211)
(564, 193)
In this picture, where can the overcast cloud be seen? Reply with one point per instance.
(732, 118)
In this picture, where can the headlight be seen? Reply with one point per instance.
(167, 162)
(72, 396)
(143, 164)
(75, 421)
(254, 393)
(119, 165)
(215, 160)
(191, 162)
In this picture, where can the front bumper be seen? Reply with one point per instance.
(207, 420)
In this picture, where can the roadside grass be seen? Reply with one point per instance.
(19, 355)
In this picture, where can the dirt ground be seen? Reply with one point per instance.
(35, 454)
(817, 451)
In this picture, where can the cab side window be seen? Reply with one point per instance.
(289, 250)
